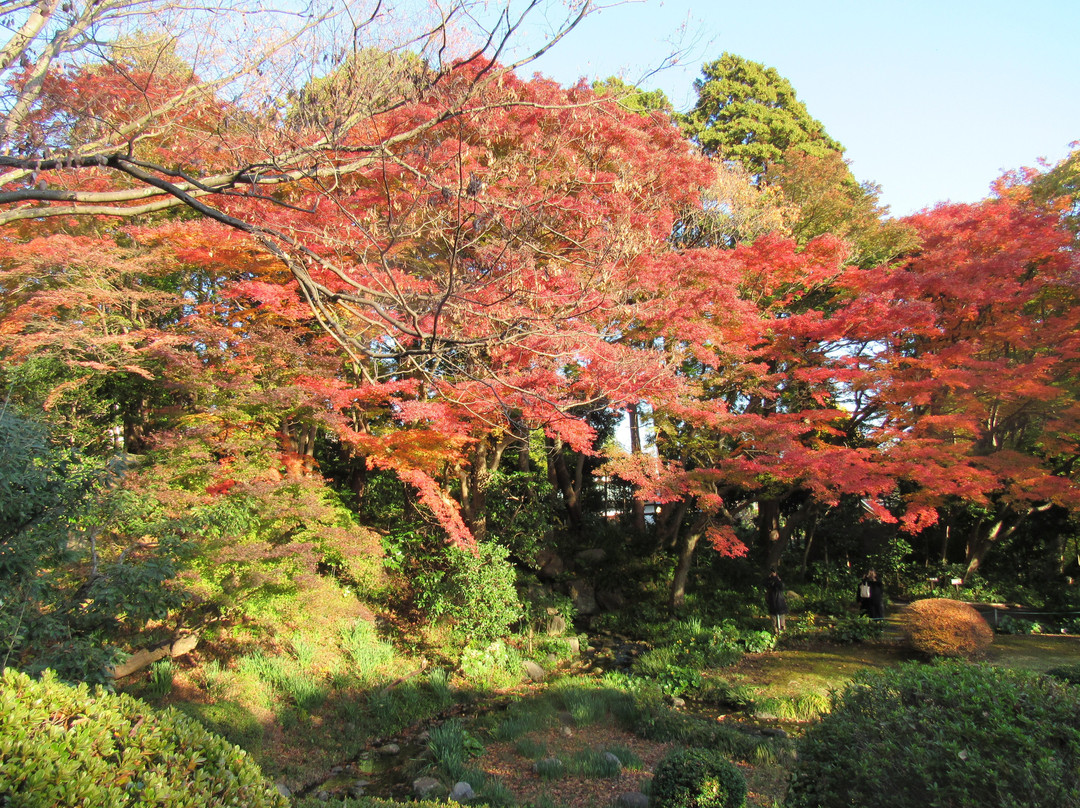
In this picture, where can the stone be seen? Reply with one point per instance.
(389, 749)
(575, 645)
(534, 671)
(323, 796)
(611, 757)
(549, 565)
(632, 799)
(770, 732)
(462, 792)
(283, 790)
(677, 702)
(583, 595)
(593, 555)
(427, 788)
(611, 600)
(556, 625)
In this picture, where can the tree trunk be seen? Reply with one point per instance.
(682, 566)
(637, 507)
(569, 485)
(769, 531)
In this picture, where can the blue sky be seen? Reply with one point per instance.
(931, 99)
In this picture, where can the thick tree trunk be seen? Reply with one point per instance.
(774, 539)
(568, 484)
(682, 567)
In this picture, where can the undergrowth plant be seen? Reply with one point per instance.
(943, 735)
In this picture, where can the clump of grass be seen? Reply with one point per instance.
(451, 746)
(530, 748)
(160, 683)
(370, 655)
(215, 679)
(595, 763)
(549, 768)
(627, 757)
(524, 717)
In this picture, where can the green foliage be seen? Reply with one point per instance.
(70, 586)
(477, 591)
(68, 746)
(856, 628)
(451, 746)
(161, 679)
(749, 113)
(1018, 625)
(523, 717)
(940, 736)
(595, 763)
(1066, 673)
(369, 656)
(697, 778)
(492, 666)
(686, 647)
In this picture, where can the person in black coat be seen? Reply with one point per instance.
(776, 601)
(872, 596)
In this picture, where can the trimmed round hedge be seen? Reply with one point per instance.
(697, 778)
(943, 735)
(947, 628)
(63, 746)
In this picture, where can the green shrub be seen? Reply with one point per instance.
(65, 746)
(1066, 673)
(856, 628)
(949, 628)
(1018, 625)
(697, 778)
(943, 735)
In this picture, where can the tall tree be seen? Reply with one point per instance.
(749, 113)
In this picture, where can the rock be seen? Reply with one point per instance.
(769, 732)
(556, 625)
(283, 790)
(427, 788)
(549, 565)
(389, 749)
(566, 731)
(423, 737)
(323, 796)
(357, 788)
(632, 799)
(547, 765)
(583, 595)
(462, 792)
(594, 555)
(337, 770)
(534, 671)
(575, 645)
(611, 757)
(678, 703)
(611, 600)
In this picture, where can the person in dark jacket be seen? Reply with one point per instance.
(872, 596)
(776, 601)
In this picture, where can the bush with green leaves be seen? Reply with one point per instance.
(852, 628)
(697, 778)
(940, 736)
(65, 746)
(1018, 625)
(476, 590)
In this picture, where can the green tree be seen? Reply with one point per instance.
(823, 196)
(749, 113)
(643, 102)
